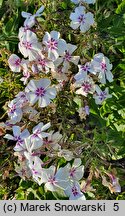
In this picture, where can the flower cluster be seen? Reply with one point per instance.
(43, 62)
(91, 73)
(29, 148)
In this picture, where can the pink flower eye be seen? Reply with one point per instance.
(42, 62)
(102, 96)
(52, 179)
(36, 133)
(27, 45)
(75, 191)
(40, 92)
(12, 109)
(17, 62)
(85, 68)
(72, 172)
(34, 171)
(86, 86)
(67, 56)
(103, 66)
(81, 19)
(52, 44)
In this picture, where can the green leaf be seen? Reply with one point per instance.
(30, 196)
(94, 108)
(121, 8)
(41, 190)
(34, 192)
(78, 101)
(1, 2)
(122, 66)
(61, 162)
(120, 127)
(20, 195)
(9, 26)
(59, 194)
(26, 184)
(18, 3)
(90, 194)
(64, 5)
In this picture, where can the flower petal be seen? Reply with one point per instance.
(32, 97)
(51, 93)
(44, 83)
(16, 131)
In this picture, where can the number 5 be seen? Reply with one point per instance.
(116, 207)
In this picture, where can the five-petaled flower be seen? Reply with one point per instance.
(81, 19)
(74, 193)
(55, 179)
(39, 90)
(39, 133)
(84, 70)
(86, 87)
(100, 95)
(29, 45)
(18, 137)
(100, 64)
(54, 45)
(15, 112)
(67, 57)
(14, 63)
(75, 171)
(44, 64)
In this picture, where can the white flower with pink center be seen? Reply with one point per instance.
(100, 95)
(67, 57)
(31, 145)
(86, 87)
(44, 64)
(53, 138)
(53, 179)
(39, 90)
(19, 137)
(39, 133)
(86, 1)
(59, 72)
(54, 45)
(52, 141)
(31, 19)
(102, 66)
(81, 19)
(35, 164)
(74, 192)
(83, 72)
(14, 112)
(29, 45)
(14, 63)
(75, 171)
